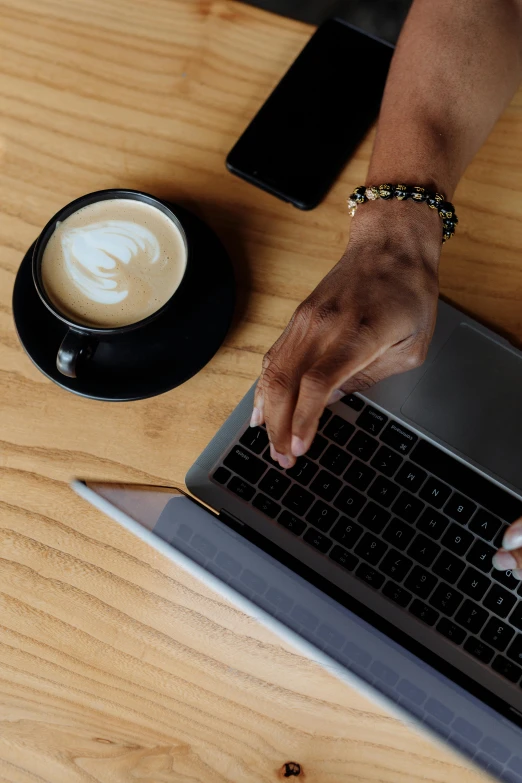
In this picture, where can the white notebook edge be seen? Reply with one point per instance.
(239, 601)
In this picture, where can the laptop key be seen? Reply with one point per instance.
(399, 534)
(507, 669)
(369, 575)
(423, 550)
(325, 485)
(267, 506)
(370, 548)
(460, 508)
(457, 540)
(346, 532)
(325, 415)
(335, 459)
(274, 484)
(349, 501)
(448, 567)
(424, 612)
(383, 491)
(317, 447)
(242, 462)
(298, 500)
(292, 523)
(411, 477)
(359, 475)
(399, 438)
(446, 599)
(386, 461)
(471, 616)
(396, 594)
(466, 481)
(321, 516)
(478, 649)
(353, 402)
(339, 430)
(420, 582)
(432, 523)
(343, 557)
(506, 578)
(241, 488)
(516, 617)
(500, 601)
(362, 446)
(481, 555)
(451, 631)
(255, 439)
(497, 633)
(317, 540)
(485, 525)
(303, 471)
(407, 507)
(372, 420)
(473, 583)
(395, 565)
(499, 538)
(272, 462)
(515, 650)
(435, 492)
(374, 517)
(221, 475)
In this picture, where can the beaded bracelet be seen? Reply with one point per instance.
(434, 200)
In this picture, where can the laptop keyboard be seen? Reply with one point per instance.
(401, 515)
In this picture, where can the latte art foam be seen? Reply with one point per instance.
(116, 270)
(94, 255)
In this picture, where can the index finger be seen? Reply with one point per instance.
(317, 386)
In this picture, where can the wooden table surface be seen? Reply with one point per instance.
(114, 665)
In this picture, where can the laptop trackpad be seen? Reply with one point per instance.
(471, 398)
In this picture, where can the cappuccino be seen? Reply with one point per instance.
(113, 263)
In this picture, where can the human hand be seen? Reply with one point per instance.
(372, 316)
(509, 557)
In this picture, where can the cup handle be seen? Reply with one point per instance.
(75, 347)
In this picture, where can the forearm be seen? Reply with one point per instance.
(457, 64)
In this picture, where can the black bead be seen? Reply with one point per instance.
(402, 192)
(446, 210)
(358, 195)
(419, 194)
(449, 225)
(386, 191)
(434, 199)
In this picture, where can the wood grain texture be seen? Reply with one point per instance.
(114, 665)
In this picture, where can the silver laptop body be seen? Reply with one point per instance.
(465, 401)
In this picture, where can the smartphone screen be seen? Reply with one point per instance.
(313, 121)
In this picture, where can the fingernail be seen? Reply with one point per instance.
(284, 461)
(513, 537)
(517, 573)
(255, 419)
(298, 446)
(503, 561)
(335, 396)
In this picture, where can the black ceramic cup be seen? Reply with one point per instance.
(80, 342)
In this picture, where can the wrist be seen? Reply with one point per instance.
(401, 228)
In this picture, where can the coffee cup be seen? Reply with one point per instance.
(106, 264)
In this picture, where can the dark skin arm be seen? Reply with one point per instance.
(457, 64)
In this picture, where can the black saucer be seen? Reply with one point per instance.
(151, 360)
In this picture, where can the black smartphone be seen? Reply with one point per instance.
(308, 128)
